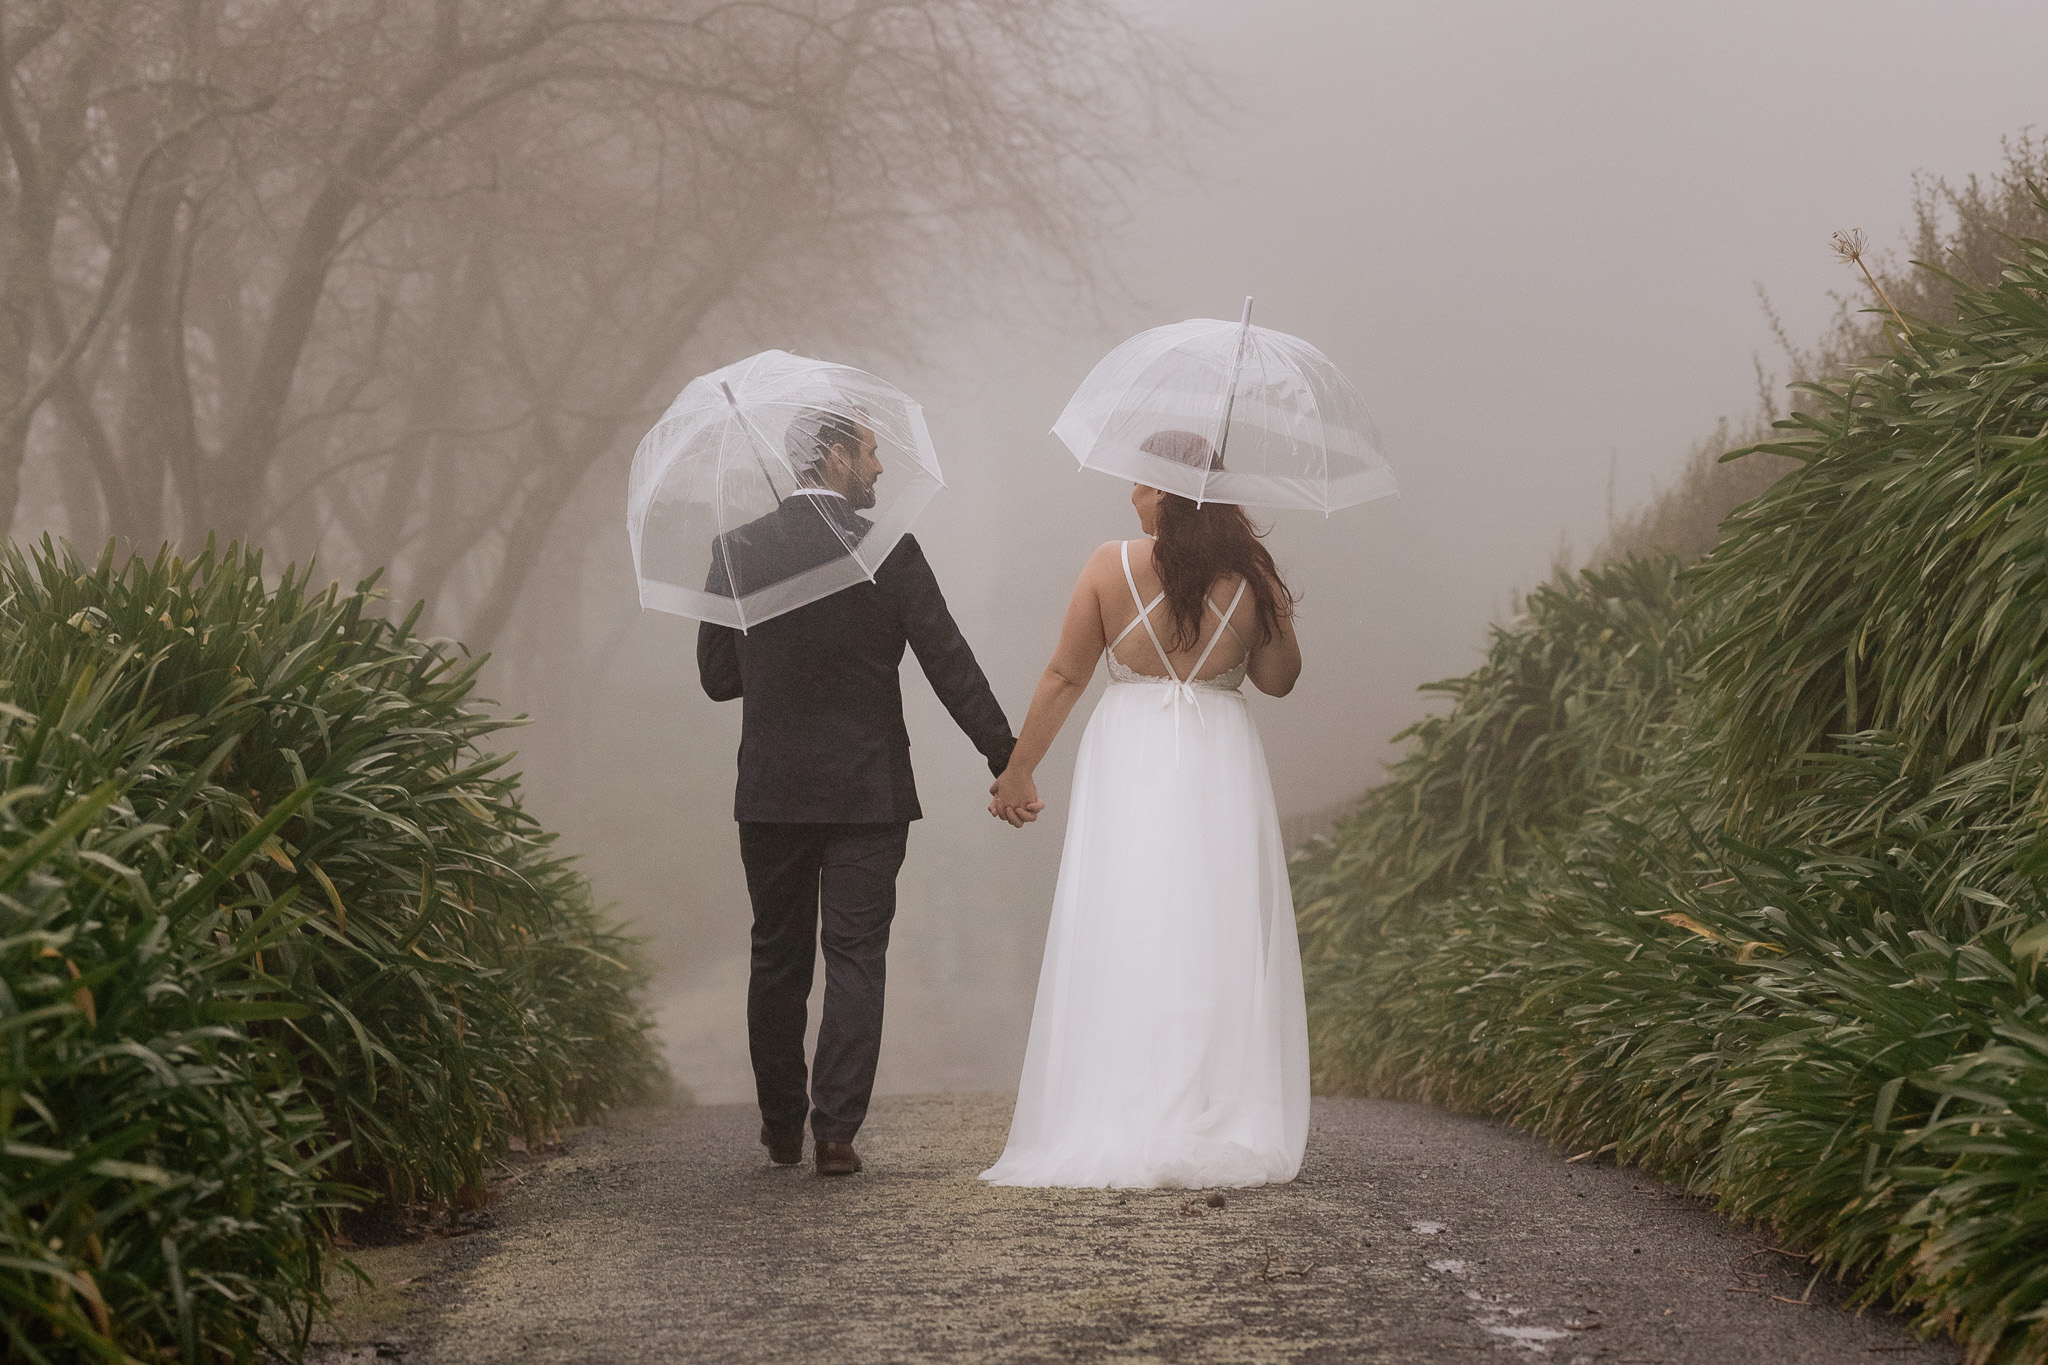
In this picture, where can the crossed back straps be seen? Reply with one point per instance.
(1145, 619)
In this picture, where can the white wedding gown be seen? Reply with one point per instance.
(1169, 1044)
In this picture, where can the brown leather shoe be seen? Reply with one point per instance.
(783, 1149)
(837, 1158)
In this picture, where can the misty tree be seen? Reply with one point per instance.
(390, 281)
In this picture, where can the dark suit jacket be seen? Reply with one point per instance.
(806, 531)
(822, 739)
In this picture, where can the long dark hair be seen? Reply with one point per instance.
(1196, 545)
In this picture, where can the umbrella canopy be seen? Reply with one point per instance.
(1228, 412)
(772, 483)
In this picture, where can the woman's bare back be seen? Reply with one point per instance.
(1135, 649)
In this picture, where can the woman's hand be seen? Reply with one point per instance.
(1014, 797)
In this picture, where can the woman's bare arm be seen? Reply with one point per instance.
(1066, 676)
(1274, 665)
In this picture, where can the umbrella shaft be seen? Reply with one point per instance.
(1244, 332)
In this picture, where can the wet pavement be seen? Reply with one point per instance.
(1411, 1235)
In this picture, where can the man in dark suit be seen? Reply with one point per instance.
(825, 795)
(834, 455)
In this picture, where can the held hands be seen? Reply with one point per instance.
(1014, 797)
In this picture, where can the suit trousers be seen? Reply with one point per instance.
(799, 877)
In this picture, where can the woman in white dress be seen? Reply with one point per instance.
(1169, 1045)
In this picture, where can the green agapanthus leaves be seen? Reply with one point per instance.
(1743, 871)
(275, 933)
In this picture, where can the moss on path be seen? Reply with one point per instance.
(1412, 1235)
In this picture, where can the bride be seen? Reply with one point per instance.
(1169, 1045)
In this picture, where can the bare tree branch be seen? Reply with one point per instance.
(456, 253)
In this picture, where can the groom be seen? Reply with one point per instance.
(825, 794)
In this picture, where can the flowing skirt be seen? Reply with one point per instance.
(1169, 1044)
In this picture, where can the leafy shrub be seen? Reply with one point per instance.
(1568, 694)
(275, 938)
(1897, 579)
(1772, 920)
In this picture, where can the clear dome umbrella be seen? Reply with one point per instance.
(772, 483)
(1228, 412)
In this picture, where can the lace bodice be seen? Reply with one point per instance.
(1229, 680)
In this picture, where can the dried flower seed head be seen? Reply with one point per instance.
(1849, 251)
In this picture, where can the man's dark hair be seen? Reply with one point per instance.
(814, 433)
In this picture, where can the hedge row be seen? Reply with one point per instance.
(276, 941)
(1741, 869)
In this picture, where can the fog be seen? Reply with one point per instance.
(1534, 237)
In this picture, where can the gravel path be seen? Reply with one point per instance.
(1411, 1235)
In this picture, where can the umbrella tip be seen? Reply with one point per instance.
(1246, 320)
(726, 388)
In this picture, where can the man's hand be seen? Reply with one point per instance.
(1014, 797)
